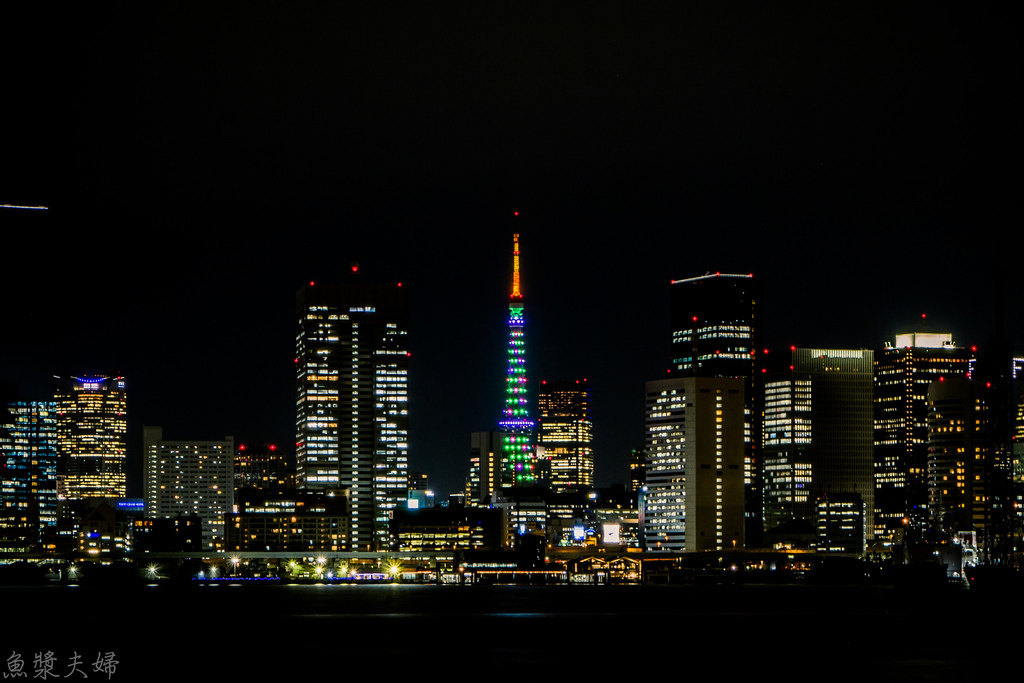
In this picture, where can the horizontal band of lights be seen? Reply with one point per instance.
(517, 426)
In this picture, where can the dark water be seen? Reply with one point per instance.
(267, 632)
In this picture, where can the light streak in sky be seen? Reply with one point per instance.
(15, 206)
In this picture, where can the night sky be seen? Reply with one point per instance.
(201, 164)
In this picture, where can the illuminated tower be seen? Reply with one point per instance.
(351, 425)
(92, 428)
(518, 458)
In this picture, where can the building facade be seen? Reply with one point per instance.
(28, 469)
(181, 478)
(352, 373)
(92, 429)
(903, 372)
(818, 432)
(288, 521)
(694, 496)
(485, 470)
(262, 467)
(959, 456)
(716, 332)
(567, 433)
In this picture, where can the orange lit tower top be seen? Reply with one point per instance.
(516, 293)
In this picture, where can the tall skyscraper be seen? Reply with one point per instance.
(818, 430)
(352, 372)
(186, 477)
(903, 372)
(960, 456)
(28, 468)
(567, 432)
(694, 496)
(92, 428)
(518, 458)
(716, 332)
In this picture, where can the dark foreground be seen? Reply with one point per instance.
(396, 632)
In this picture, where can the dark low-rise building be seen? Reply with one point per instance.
(288, 521)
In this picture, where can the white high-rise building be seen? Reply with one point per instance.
(186, 477)
(351, 425)
(694, 494)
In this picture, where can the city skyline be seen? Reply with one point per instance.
(457, 468)
(853, 161)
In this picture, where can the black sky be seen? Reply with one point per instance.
(200, 164)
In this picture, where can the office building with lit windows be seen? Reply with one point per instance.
(818, 432)
(352, 373)
(262, 467)
(567, 433)
(181, 478)
(716, 332)
(1018, 442)
(92, 428)
(289, 521)
(485, 452)
(28, 470)
(637, 469)
(960, 459)
(840, 524)
(903, 372)
(694, 495)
